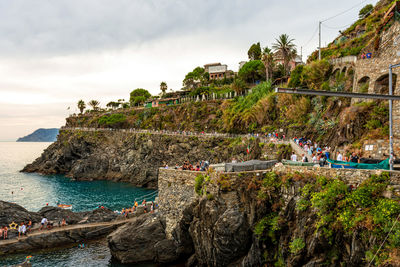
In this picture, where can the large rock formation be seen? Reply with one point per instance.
(10, 212)
(142, 240)
(135, 158)
(245, 219)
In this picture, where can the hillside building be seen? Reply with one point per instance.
(218, 71)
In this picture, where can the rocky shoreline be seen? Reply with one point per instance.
(81, 226)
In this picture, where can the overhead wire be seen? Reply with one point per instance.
(344, 12)
(312, 37)
(332, 17)
(345, 26)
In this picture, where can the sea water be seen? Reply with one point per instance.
(33, 191)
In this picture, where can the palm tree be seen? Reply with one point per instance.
(239, 86)
(163, 87)
(81, 106)
(268, 60)
(285, 46)
(94, 104)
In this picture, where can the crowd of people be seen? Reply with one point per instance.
(318, 154)
(26, 227)
(126, 211)
(23, 229)
(187, 166)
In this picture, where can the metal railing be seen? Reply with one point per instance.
(341, 60)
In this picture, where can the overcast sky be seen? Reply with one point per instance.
(53, 53)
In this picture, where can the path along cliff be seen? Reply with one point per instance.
(136, 157)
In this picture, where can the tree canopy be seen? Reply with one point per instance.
(285, 46)
(163, 87)
(81, 106)
(252, 71)
(268, 60)
(254, 52)
(365, 11)
(195, 78)
(113, 104)
(94, 104)
(138, 96)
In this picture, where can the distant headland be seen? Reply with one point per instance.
(40, 135)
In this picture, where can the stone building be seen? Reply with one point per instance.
(278, 58)
(371, 75)
(218, 71)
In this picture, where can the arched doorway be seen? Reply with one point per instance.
(382, 84)
(363, 84)
(350, 72)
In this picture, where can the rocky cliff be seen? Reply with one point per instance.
(132, 157)
(277, 218)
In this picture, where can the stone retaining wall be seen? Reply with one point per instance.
(350, 176)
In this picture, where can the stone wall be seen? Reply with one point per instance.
(376, 149)
(375, 71)
(350, 176)
(176, 191)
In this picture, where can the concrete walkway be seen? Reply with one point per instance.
(59, 236)
(299, 151)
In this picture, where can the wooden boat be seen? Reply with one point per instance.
(64, 206)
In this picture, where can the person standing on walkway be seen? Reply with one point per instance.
(293, 157)
(5, 232)
(21, 230)
(43, 222)
(29, 226)
(339, 157)
(354, 158)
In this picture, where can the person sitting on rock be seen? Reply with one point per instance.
(63, 222)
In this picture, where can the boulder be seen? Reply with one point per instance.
(56, 214)
(98, 215)
(10, 212)
(142, 240)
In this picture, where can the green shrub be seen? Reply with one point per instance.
(297, 245)
(113, 120)
(198, 186)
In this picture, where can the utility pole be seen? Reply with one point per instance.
(301, 53)
(319, 47)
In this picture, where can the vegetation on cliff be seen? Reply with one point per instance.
(262, 110)
(362, 36)
(339, 214)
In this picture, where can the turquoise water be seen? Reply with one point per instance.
(33, 191)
